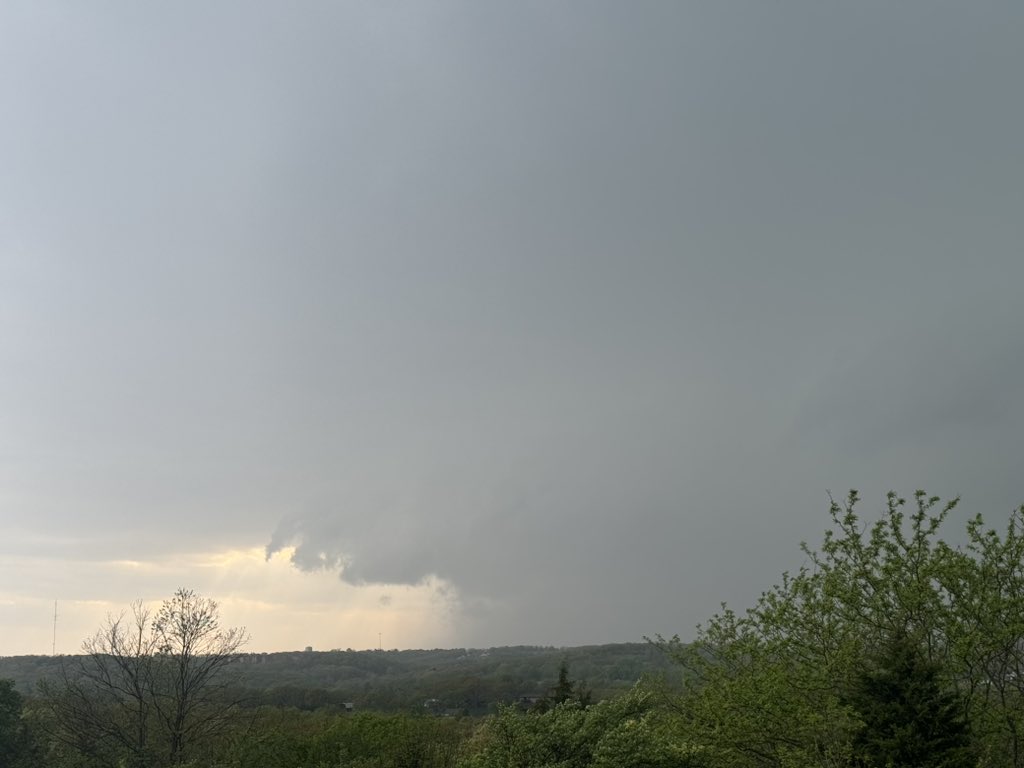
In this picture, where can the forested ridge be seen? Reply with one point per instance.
(890, 647)
(469, 681)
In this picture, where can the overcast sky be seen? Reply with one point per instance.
(492, 323)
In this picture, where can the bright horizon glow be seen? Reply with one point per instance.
(282, 608)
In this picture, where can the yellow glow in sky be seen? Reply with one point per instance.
(281, 607)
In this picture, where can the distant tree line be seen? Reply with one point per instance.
(473, 681)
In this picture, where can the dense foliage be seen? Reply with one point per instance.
(911, 719)
(771, 687)
(639, 729)
(16, 746)
(283, 738)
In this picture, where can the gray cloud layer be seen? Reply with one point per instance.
(580, 307)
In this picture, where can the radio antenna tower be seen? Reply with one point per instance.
(53, 650)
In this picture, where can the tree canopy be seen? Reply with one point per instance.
(771, 686)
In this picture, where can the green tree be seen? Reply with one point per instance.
(14, 739)
(986, 584)
(768, 687)
(911, 718)
(639, 729)
(284, 738)
(564, 690)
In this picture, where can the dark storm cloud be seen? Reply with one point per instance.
(580, 307)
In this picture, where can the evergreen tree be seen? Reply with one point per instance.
(911, 719)
(564, 690)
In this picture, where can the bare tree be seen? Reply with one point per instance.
(191, 696)
(101, 701)
(148, 689)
